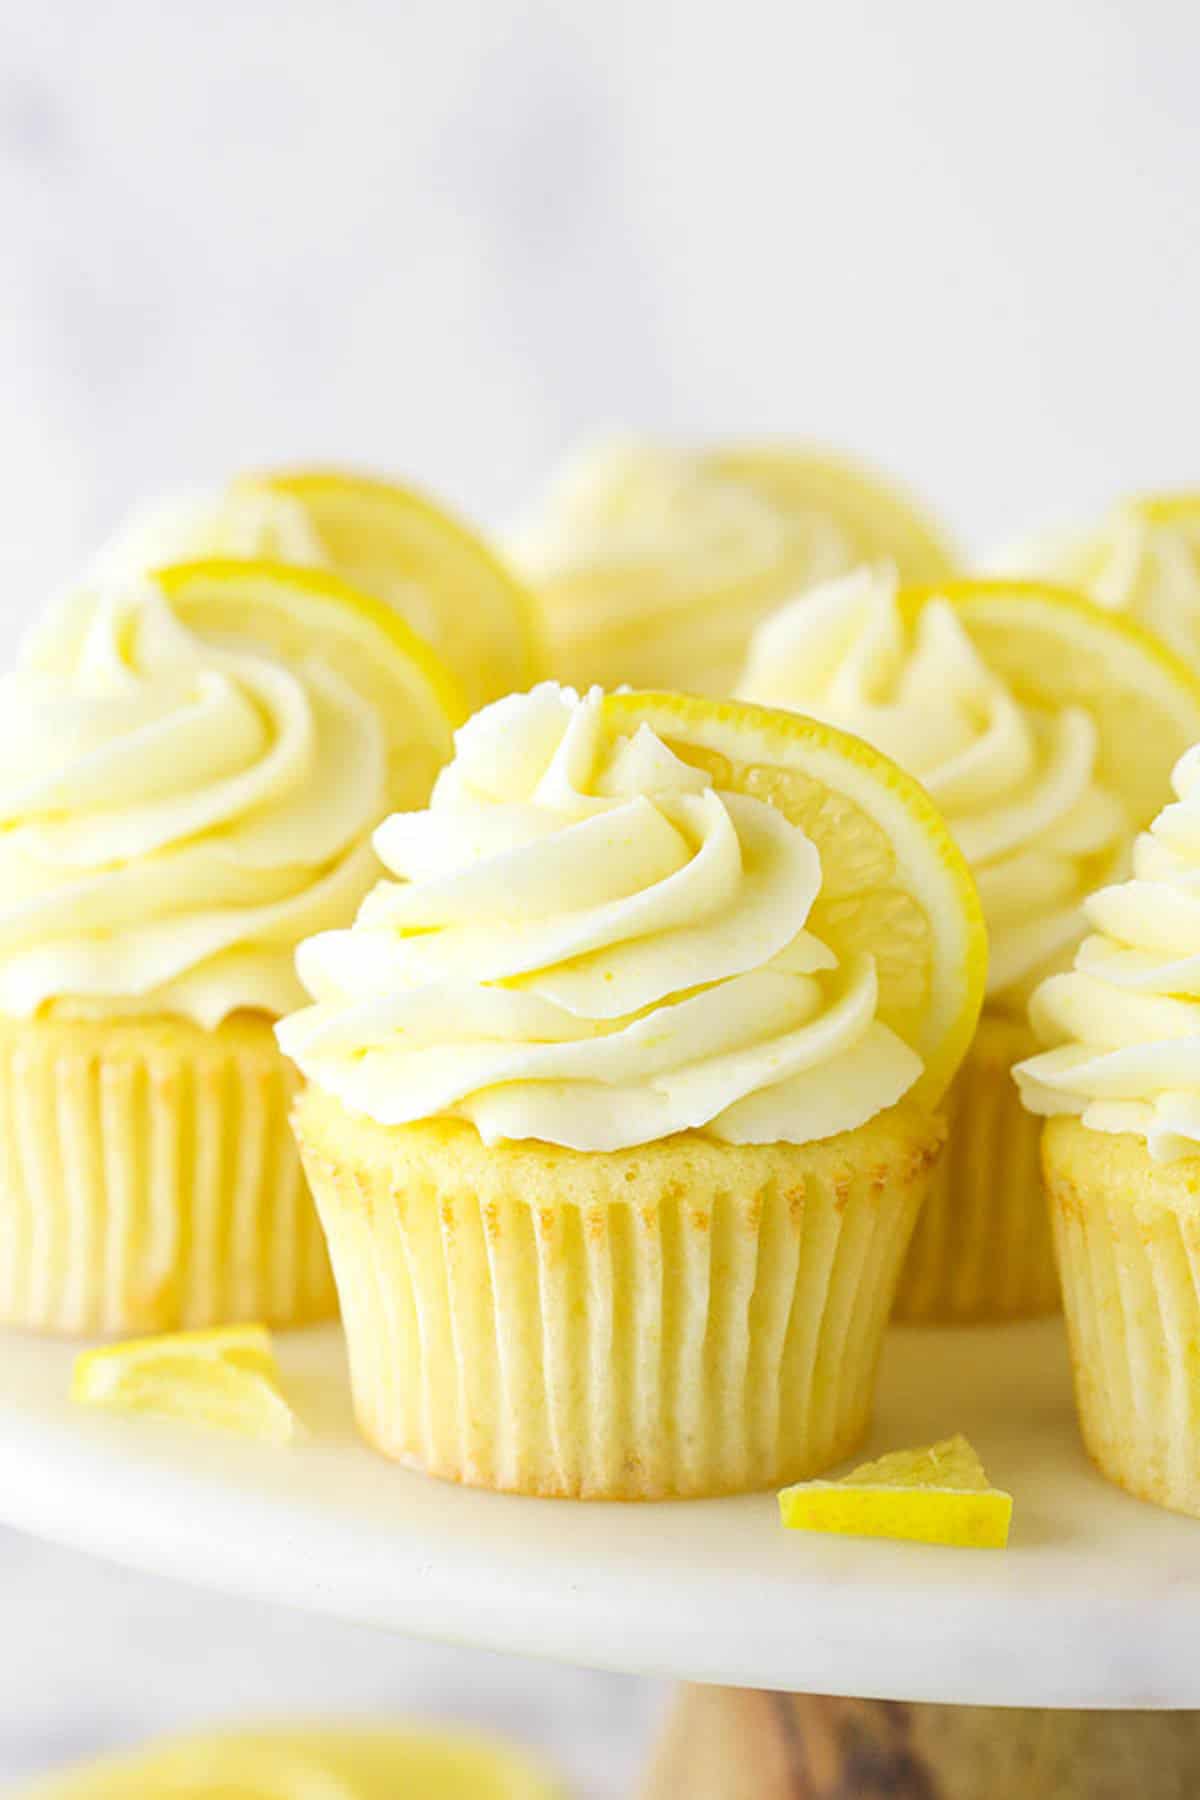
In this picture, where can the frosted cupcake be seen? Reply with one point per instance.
(1141, 559)
(190, 771)
(616, 1125)
(1120, 1079)
(1020, 712)
(388, 541)
(653, 565)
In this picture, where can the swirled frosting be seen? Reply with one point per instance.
(1017, 786)
(176, 815)
(588, 944)
(241, 522)
(1143, 559)
(1123, 1026)
(652, 566)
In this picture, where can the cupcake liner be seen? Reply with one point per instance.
(983, 1248)
(1128, 1237)
(682, 1319)
(149, 1181)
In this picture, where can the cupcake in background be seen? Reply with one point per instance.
(1119, 1078)
(1046, 735)
(653, 565)
(620, 1095)
(191, 767)
(388, 541)
(310, 1762)
(1141, 559)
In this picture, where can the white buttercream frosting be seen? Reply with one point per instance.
(1018, 786)
(587, 943)
(1122, 1028)
(176, 814)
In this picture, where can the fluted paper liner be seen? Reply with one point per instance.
(685, 1318)
(1128, 1236)
(149, 1180)
(983, 1248)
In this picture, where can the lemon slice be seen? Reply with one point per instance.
(654, 566)
(938, 1495)
(1054, 649)
(310, 1763)
(401, 547)
(893, 883)
(300, 613)
(226, 1378)
(1142, 559)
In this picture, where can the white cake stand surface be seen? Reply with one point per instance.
(1095, 1604)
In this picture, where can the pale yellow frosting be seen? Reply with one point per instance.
(1123, 1026)
(1017, 786)
(1142, 560)
(588, 944)
(183, 527)
(176, 814)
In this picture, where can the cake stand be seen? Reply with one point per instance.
(1095, 1605)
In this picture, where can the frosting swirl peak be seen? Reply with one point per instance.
(175, 814)
(1123, 1026)
(1017, 785)
(587, 943)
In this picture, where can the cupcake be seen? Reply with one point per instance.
(385, 540)
(191, 768)
(1119, 1080)
(654, 565)
(1142, 559)
(1046, 734)
(620, 1092)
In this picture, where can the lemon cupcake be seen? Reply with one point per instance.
(1046, 734)
(1142, 559)
(386, 540)
(190, 771)
(654, 565)
(620, 1094)
(1120, 1079)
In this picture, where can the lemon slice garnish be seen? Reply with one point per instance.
(894, 885)
(312, 1763)
(937, 1495)
(1054, 649)
(654, 566)
(408, 551)
(302, 613)
(226, 1378)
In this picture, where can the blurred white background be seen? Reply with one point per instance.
(449, 239)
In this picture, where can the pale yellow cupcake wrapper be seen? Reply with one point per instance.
(1128, 1236)
(149, 1181)
(983, 1248)
(682, 1319)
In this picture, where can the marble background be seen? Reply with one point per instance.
(449, 239)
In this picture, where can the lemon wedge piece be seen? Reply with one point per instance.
(894, 885)
(1054, 649)
(310, 1763)
(300, 613)
(402, 547)
(226, 1378)
(653, 566)
(937, 1495)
